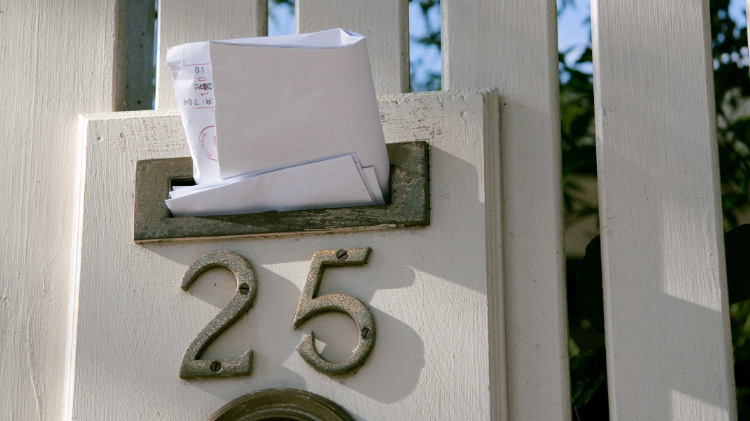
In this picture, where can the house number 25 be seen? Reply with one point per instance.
(309, 306)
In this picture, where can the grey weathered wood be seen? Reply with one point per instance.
(134, 55)
(409, 205)
(182, 21)
(512, 45)
(669, 354)
(385, 24)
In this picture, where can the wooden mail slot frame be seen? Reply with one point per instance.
(409, 206)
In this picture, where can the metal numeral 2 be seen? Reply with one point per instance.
(247, 286)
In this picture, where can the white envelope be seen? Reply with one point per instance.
(193, 87)
(285, 100)
(335, 182)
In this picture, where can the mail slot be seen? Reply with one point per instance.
(409, 206)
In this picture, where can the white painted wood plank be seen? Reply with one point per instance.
(385, 24)
(134, 55)
(57, 62)
(667, 327)
(427, 288)
(182, 21)
(512, 45)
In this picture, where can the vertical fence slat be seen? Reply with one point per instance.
(134, 52)
(385, 24)
(667, 326)
(57, 60)
(198, 20)
(512, 45)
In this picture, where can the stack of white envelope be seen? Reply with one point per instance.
(279, 123)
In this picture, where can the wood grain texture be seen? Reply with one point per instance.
(134, 55)
(385, 24)
(511, 45)
(182, 21)
(426, 288)
(409, 205)
(57, 59)
(666, 320)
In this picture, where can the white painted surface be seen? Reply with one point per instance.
(385, 24)
(182, 21)
(512, 45)
(427, 288)
(57, 62)
(667, 325)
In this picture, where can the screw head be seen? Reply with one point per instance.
(366, 333)
(342, 254)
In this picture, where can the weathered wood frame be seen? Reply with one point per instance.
(409, 207)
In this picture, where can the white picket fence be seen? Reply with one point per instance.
(667, 336)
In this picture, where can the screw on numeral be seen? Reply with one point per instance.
(342, 254)
(366, 333)
(244, 289)
(215, 366)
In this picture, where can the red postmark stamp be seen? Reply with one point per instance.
(207, 139)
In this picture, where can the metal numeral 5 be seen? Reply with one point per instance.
(247, 287)
(311, 306)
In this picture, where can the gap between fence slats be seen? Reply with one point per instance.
(512, 45)
(199, 20)
(667, 326)
(134, 52)
(385, 24)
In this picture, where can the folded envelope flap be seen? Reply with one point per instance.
(331, 38)
(280, 106)
(330, 183)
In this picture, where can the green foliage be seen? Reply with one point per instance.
(577, 116)
(588, 372)
(731, 90)
(576, 131)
